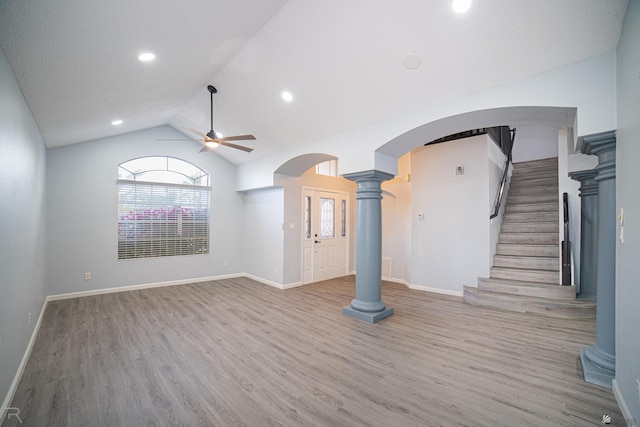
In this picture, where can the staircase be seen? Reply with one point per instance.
(525, 275)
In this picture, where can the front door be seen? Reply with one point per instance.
(325, 235)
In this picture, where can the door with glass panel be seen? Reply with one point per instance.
(325, 235)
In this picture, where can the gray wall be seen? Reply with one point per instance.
(22, 226)
(263, 234)
(450, 244)
(628, 177)
(82, 207)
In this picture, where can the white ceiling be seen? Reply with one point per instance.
(76, 60)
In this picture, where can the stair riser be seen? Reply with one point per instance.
(535, 172)
(558, 310)
(528, 250)
(536, 263)
(530, 216)
(529, 238)
(536, 182)
(533, 207)
(533, 227)
(532, 198)
(526, 275)
(532, 191)
(551, 161)
(543, 291)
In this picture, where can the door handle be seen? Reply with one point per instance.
(317, 241)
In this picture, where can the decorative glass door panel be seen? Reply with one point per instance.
(324, 250)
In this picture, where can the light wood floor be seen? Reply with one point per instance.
(237, 353)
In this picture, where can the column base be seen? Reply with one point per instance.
(592, 360)
(368, 316)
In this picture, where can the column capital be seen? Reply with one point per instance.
(598, 143)
(370, 175)
(588, 184)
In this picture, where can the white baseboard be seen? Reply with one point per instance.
(424, 288)
(294, 285)
(143, 286)
(263, 281)
(23, 363)
(436, 290)
(626, 413)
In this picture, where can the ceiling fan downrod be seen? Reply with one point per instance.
(212, 134)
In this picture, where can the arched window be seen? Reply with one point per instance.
(163, 208)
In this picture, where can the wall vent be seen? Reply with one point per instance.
(386, 268)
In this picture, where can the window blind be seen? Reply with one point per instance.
(156, 220)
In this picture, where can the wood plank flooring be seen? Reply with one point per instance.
(238, 353)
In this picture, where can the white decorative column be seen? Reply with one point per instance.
(368, 305)
(599, 360)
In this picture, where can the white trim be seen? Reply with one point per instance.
(626, 412)
(23, 363)
(263, 281)
(425, 288)
(143, 286)
(294, 285)
(436, 290)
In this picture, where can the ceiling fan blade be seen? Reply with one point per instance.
(237, 138)
(172, 139)
(237, 147)
(204, 148)
(197, 132)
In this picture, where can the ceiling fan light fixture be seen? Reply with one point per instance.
(211, 144)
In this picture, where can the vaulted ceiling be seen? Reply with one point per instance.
(348, 63)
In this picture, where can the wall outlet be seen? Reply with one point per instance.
(225, 263)
(275, 269)
(87, 276)
(29, 319)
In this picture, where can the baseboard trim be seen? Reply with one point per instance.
(293, 285)
(23, 363)
(264, 281)
(424, 288)
(622, 404)
(142, 286)
(436, 290)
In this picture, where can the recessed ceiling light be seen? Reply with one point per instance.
(287, 96)
(461, 6)
(146, 57)
(116, 122)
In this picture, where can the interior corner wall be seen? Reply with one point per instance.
(22, 228)
(627, 179)
(450, 242)
(82, 202)
(293, 217)
(396, 220)
(263, 234)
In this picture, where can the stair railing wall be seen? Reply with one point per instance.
(507, 147)
(566, 244)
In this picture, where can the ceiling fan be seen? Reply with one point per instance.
(211, 139)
